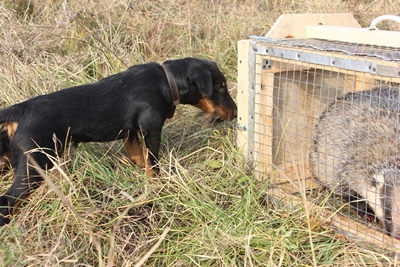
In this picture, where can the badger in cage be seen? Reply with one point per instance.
(355, 153)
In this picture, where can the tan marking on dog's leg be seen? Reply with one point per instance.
(148, 169)
(134, 151)
(5, 162)
(11, 128)
(16, 205)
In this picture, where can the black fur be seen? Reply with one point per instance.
(131, 103)
(4, 151)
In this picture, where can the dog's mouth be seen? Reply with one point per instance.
(214, 114)
(210, 119)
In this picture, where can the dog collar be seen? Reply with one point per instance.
(172, 86)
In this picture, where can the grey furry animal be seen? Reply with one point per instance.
(356, 153)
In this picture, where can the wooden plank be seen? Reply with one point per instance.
(280, 65)
(354, 35)
(294, 178)
(292, 172)
(297, 186)
(264, 122)
(348, 227)
(242, 97)
(294, 25)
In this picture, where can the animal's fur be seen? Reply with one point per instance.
(356, 153)
(5, 153)
(131, 103)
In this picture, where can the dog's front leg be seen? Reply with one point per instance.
(150, 146)
(146, 155)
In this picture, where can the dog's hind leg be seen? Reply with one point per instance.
(26, 180)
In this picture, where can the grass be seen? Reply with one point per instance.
(206, 208)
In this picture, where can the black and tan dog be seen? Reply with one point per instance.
(131, 103)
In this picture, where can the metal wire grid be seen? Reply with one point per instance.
(289, 100)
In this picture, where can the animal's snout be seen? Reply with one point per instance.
(229, 113)
(234, 111)
(229, 108)
(226, 111)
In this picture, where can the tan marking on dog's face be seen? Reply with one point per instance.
(206, 105)
(217, 112)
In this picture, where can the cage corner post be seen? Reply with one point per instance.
(255, 107)
(244, 139)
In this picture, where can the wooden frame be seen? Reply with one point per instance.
(266, 68)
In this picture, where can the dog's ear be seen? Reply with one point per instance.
(202, 79)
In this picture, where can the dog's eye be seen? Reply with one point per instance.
(219, 87)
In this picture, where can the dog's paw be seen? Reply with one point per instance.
(4, 220)
(4, 211)
(152, 171)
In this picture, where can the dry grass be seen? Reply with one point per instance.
(206, 208)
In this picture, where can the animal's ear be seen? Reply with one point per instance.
(202, 79)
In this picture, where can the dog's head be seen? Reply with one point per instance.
(201, 84)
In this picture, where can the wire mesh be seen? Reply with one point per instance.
(319, 125)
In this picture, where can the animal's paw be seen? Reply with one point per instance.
(4, 211)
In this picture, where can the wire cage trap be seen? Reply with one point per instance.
(319, 107)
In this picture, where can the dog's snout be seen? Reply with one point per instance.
(233, 109)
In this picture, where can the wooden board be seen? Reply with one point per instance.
(243, 96)
(294, 25)
(354, 35)
(293, 179)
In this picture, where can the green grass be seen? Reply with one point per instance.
(206, 208)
